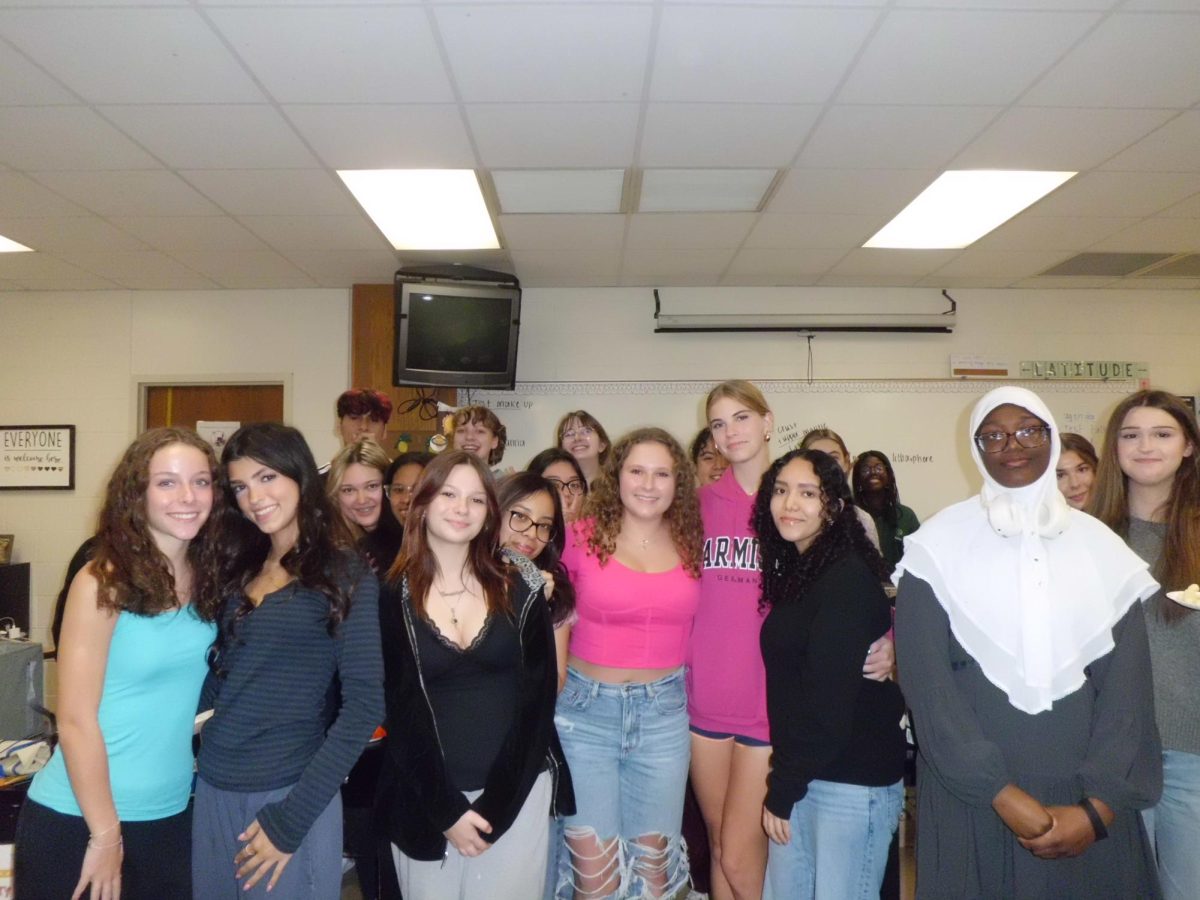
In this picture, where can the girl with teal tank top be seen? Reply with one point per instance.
(109, 812)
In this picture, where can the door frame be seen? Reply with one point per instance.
(143, 382)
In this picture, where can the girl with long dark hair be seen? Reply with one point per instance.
(876, 493)
(473, 770)
(563, 471)
(835, 788)
(295, 685)
(108, 814)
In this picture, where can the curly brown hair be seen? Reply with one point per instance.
(132, 573)
(604, 507)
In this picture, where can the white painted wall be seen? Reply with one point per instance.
(77, 359)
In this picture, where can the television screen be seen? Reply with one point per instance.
(456, 335)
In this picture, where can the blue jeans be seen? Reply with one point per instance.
(628, 749)
(839, 846)
(1174, 826)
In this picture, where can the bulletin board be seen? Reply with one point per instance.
(920, 424)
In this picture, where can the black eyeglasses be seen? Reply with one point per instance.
(574, 486)
(876, 469)
(1029, 438)
(398, 490)
(521, 523)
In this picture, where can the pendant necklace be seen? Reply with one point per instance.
(446, 595)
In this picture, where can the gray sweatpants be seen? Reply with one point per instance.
(513, 868)
(313, 873)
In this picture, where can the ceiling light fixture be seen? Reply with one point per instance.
(960, 207)
(8, 246)
(425, 209)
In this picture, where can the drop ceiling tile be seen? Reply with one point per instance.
(1188, 209)
(340, 268)
(347, 54)
(81, 282)
(962, 281)
(166, 55)
(867, 280)
(244, 269)
(967, 58)
(546, 53)
(915, 263)
(1118, 194)
(761, 264)
(142, 270)
(68, 234)
(724, 134)
(23, 83)
(810, 231)
(656, 266)
(562, 232)
(1059, 139)
(687, 231)
(1067, 233)
(21, 267)
(704, 190)
(22, 197)
(1132, 60)
(385, 136)
(559, 190)
(551, 135)
(879, 192)
(297, 192)
(317, 232)
(1173, 148)
(65, 137)
(1070, 282)
(1007, 264)
(1159, 234)
(541, 268)
(174, 233)
(214, 137)
(1029, 5)
(896, 137)
(754, 54)
(145, 193)
(766, 279)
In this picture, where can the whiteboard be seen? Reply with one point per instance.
(920, 424)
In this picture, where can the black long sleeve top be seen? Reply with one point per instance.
(827, 721)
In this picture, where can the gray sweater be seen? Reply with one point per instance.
(1174, 650)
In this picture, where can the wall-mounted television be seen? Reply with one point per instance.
(456, 334)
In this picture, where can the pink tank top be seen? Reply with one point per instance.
(628, 619)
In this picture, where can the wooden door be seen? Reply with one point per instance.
(184, 405)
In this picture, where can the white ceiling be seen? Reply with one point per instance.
(152, 144)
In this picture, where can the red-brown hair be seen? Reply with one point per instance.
(416, 561)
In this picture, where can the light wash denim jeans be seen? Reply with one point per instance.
(839, 846)
(1174, 826)
(628, 749)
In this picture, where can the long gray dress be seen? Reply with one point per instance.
(1100, 741)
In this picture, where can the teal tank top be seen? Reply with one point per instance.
(156, 666)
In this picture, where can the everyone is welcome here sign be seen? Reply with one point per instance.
(37, 457)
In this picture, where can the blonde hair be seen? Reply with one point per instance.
(363, 452)
(604, 506)
(825, 434)
(742, 391)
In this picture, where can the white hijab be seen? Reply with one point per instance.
(1032, 588)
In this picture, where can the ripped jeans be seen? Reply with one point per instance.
(628, 749)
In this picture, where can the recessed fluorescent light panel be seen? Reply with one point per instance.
(961, 207)
(425, 209)
(704, 190)
(7, 246)
(559, 190)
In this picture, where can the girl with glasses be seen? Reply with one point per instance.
(581, 434)
(1148, 491)
(1022, 653)
(400, 480)
(564, 472)
(875, 492)
(473, 769)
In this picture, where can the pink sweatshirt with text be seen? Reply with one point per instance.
(727, 686)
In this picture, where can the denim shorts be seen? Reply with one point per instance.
(628, 749)
(726, 735)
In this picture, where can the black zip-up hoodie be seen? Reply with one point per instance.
(415, 801)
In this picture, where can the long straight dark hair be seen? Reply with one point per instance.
(514, 489)
(416, 561)
(315, 560)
